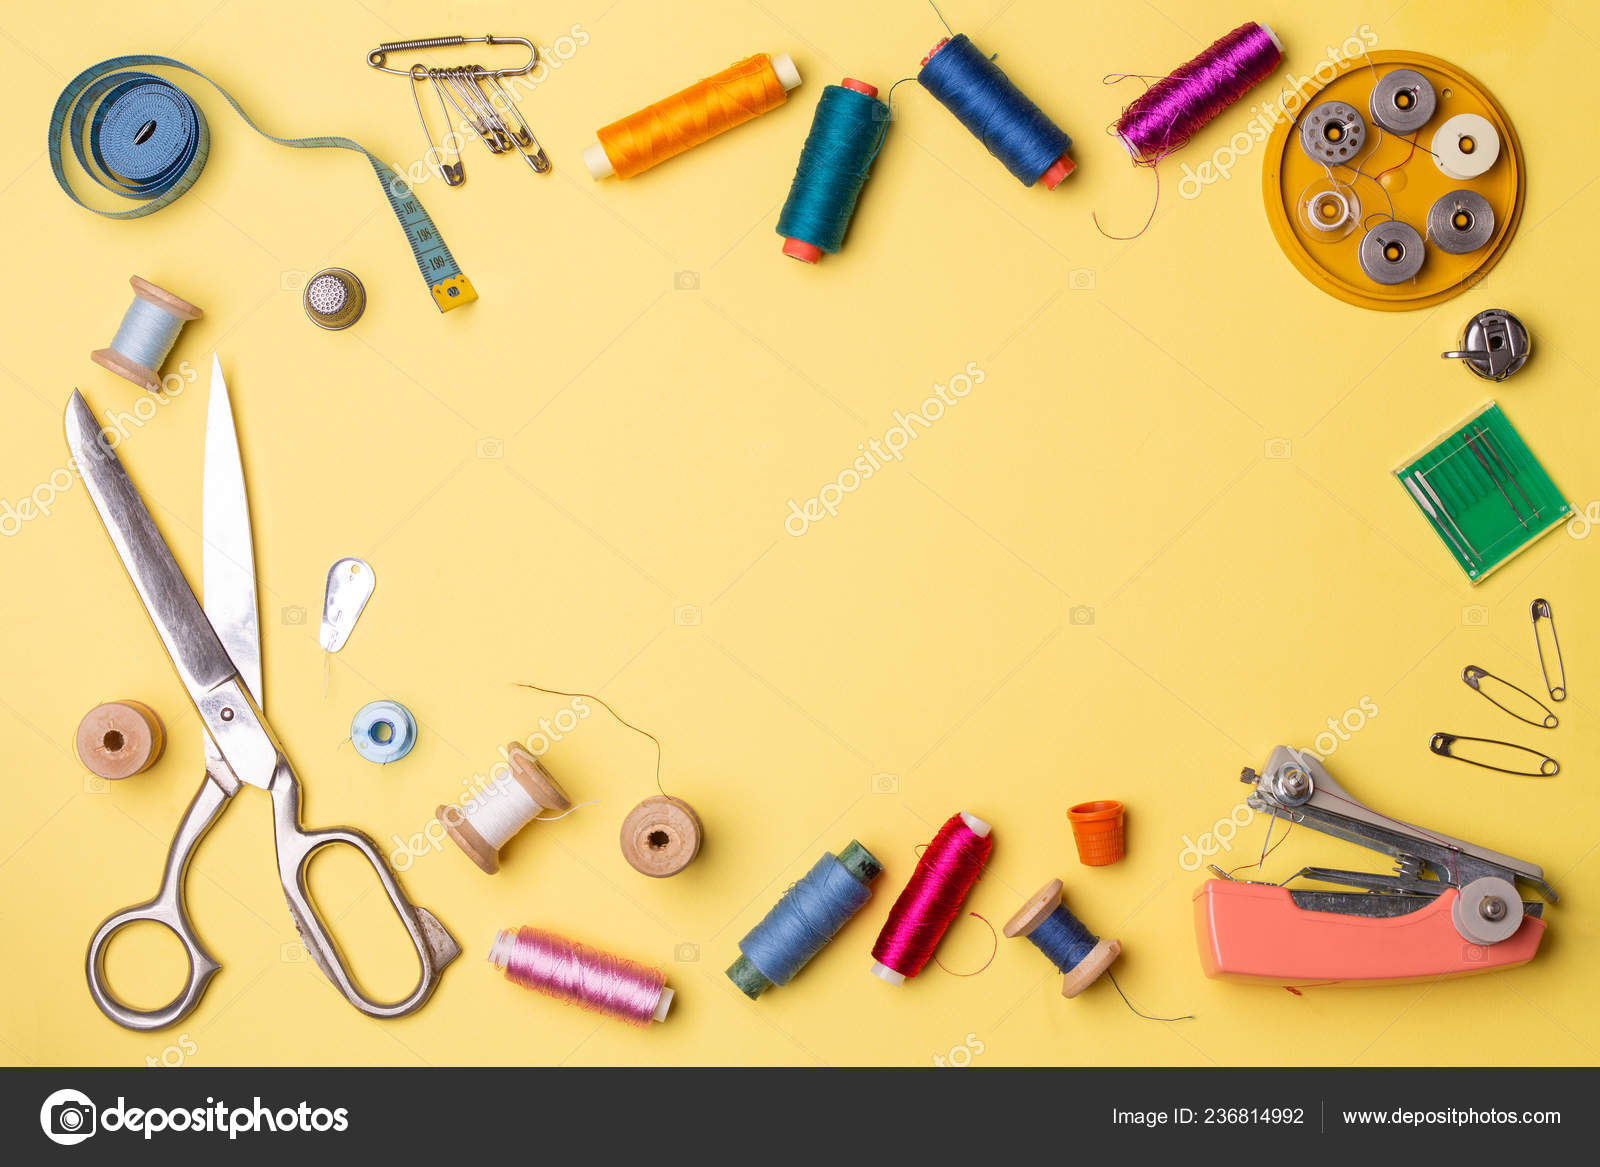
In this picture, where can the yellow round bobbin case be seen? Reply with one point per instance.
(484, 822)
(1324, 213)
(661, 836)
(120, 739)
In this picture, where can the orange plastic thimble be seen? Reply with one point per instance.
(1097, 830)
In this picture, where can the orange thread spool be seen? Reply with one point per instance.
(742, 91)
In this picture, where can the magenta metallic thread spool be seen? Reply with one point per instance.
(1176, 107)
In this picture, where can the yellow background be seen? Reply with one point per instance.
(1124, 455)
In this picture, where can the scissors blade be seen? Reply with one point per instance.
(197, 653)
(227, 564)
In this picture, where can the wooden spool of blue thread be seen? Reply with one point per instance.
(1045, 904)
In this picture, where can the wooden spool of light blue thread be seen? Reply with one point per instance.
(1044, 906)
(146, 335)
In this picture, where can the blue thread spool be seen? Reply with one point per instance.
(146, 335)
(383, 731)
(998, 114)
(804, 920)
(1081, 956)
(834, 163)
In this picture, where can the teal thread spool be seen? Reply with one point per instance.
(845, 133)
(1081, 956)
(804, 920)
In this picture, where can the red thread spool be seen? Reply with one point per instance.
(932, 899)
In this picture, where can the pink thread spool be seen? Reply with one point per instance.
(575, 974)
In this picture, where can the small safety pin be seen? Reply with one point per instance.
(522, 132)
(476, 110)
(1474, 676)
(1443, 745)
(1541, 610)
(453, 175)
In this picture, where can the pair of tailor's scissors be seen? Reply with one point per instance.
(217, 653)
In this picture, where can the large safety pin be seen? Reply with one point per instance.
(378, 57)
(1474, 676)
(1443, 744)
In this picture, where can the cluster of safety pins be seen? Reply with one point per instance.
(1479, 487)
(478, 98)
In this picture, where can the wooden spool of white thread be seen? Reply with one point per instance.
(484, 822)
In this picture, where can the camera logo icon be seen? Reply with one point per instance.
(292, 952)
(885, 783)
(1277, 449)
(67, 1117)
(1081, 279)
(292, 280)
(687, 615)
(686, 281)
(490, 448)
(294, 614)
(686, 952)
(1475, 616)
(1080, 614)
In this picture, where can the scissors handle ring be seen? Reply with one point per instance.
(435, 946)
(166, 909)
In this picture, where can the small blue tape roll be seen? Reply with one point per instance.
(383, 731)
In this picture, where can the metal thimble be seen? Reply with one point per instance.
(334, 298)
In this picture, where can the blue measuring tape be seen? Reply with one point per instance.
(148, 141)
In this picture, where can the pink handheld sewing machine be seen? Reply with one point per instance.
(1468, 918)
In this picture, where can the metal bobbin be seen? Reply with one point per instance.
(1460, 221)
(1333, 133)
(1402, 101)
(1494, 345)
(1391, 253)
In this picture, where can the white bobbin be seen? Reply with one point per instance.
(1465, 146)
